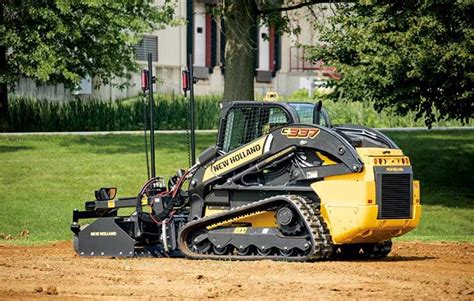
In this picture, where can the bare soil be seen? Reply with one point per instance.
(413, 270)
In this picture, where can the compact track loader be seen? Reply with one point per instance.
(281, 183)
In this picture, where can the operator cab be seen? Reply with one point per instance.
(241, 122)
(311, 113)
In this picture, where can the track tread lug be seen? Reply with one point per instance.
(321, 240)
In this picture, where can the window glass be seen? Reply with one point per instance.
(149, 44)
(305, 112)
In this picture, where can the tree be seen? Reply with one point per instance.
(408, 55)
(63, 41)
(242, 19)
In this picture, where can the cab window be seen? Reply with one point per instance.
(245, 124)
(305, 113)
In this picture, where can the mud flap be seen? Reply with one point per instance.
(105, 238)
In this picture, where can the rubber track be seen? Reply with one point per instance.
(371, 251)
(321, 246)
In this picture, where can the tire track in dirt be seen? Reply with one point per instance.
(413, 270)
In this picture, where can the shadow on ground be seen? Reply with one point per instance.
(133, 144)
(11, 149)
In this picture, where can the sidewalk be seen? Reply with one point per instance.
(409, 129)
(105, 133)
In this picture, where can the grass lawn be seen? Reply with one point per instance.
(42, 178)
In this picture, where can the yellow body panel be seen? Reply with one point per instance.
(326, 160)
(271, 96)
(348, 202)
(416, 192)
(262, 219)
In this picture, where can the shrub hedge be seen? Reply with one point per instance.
(33, 115)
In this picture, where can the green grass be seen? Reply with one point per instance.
(42, 178)
(443, 162)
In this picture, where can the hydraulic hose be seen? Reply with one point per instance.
(167, 209)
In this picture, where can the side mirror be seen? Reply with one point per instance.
(105, 193)
(317, 112)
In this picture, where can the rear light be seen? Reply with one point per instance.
(391, 161)
(144, 80)
(185, 80)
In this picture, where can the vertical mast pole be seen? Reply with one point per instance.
(192, 110)
(152, 123)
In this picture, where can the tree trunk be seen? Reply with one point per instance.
(4, 116)
(240, 50)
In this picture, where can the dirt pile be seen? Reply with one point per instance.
(420, 270)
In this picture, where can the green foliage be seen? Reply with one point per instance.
(44, 178)
(29, 114)
(63, 41)
(363, 113)
(408, 55)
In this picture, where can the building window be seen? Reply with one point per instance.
(298, 62)
(149, 44)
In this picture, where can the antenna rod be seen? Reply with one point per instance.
(144, 85)
(152, 123)
(191, 113)
(145, 134)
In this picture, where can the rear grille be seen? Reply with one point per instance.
(395, 196)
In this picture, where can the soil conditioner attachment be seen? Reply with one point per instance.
(281, 183)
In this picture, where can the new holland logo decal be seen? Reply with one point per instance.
(112, 233)
(310, 133)
(399, 169)
(236, 158)
(233, 160)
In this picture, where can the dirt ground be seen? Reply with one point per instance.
(413, 270)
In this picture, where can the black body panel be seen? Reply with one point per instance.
(105, 238)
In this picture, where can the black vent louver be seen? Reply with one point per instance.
(394, 195)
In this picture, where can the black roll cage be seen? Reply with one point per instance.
(293, 117)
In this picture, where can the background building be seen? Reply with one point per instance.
(280, 66)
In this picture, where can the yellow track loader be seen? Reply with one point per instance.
(280, 183)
